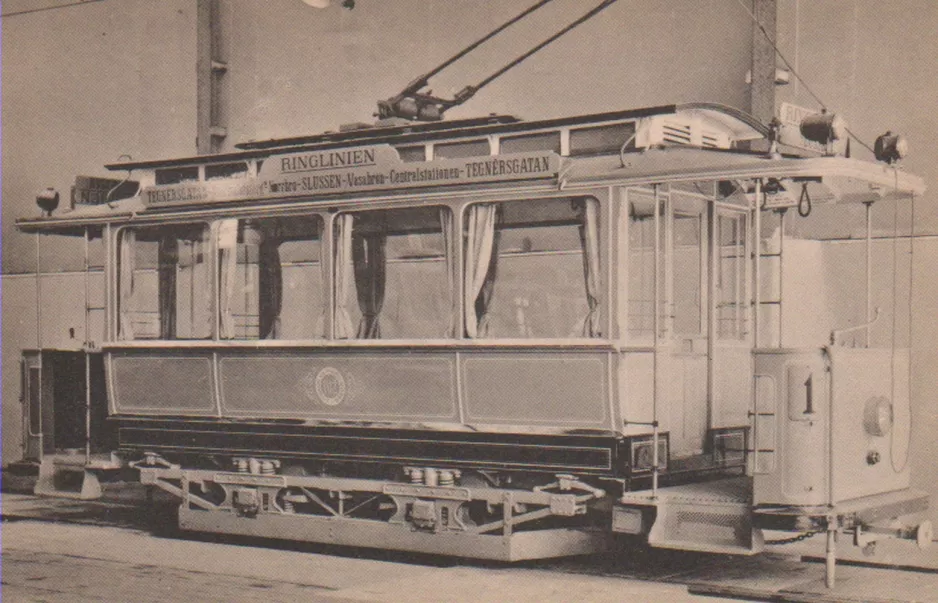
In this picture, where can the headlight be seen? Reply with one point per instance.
(877, 416)
(643, 451)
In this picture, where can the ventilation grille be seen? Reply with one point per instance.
(689, 131)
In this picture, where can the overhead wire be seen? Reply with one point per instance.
(47, 8)
(586, 17)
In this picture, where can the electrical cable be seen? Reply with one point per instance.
(485, 38)
(45, 8)
(794, 71)
(781, 56)
(804, 201)
(589, 15)
(892, 433)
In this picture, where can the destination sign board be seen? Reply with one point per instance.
(89, 190)
(343, 171)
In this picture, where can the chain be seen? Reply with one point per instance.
(793, 539)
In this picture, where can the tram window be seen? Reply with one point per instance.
(641, 265)
(687, 283)
(730, 282)
(533, 269)
(641, 289)
(411, 154)
(544, 141)
(164, 283)
(270, 278)
(456, 150)
(600, 140)
(177, 175)
(394, 274)
(226, 170)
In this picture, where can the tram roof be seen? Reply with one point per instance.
(740, 124)
(833, 179)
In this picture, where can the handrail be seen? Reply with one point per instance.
(837, 332)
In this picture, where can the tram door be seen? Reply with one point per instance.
(685, 379)
(731, 329)
(703, 289)
(31, 396)
(708, 274)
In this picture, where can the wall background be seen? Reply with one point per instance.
(83, 85)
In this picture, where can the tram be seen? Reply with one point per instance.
(508, 339)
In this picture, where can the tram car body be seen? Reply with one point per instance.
(503, 339)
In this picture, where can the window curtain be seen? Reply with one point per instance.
(270, 284)
(589, 240)
(446, 226)
(343, 275)
(126, 293)
(369, 254)
(168, 259)
(227, 242)
(481, 263)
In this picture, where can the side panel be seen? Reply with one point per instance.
(162, 383)
(636, 390)
(311, 385)
(731, 387)
(866, 463)
(790, 428)
(558, 390)
(547, 388)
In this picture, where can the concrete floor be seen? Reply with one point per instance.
(60, 550)
(68, 563)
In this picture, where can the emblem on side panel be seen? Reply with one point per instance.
(328, 386)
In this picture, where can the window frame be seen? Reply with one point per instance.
(323, 220)
(451, 258)
(114, 321)
(604, 273)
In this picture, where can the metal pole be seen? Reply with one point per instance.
(39, 396)
(87, 351)
(655, 345)
(830, 554)
(869, 270)
(757, 272)
(38, 297)
(781, 273)
(712, 255)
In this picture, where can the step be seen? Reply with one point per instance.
(712, 517)
(73, 476)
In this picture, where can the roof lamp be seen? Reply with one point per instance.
(48, 200)
(824, 128)
(890, 147)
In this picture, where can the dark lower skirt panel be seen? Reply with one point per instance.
(599, 455)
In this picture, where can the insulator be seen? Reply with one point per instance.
(416, 475)
(431, 476)
(267, 468)
(429, 112)
(242, 465)
(407, 108)
(254, 465)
